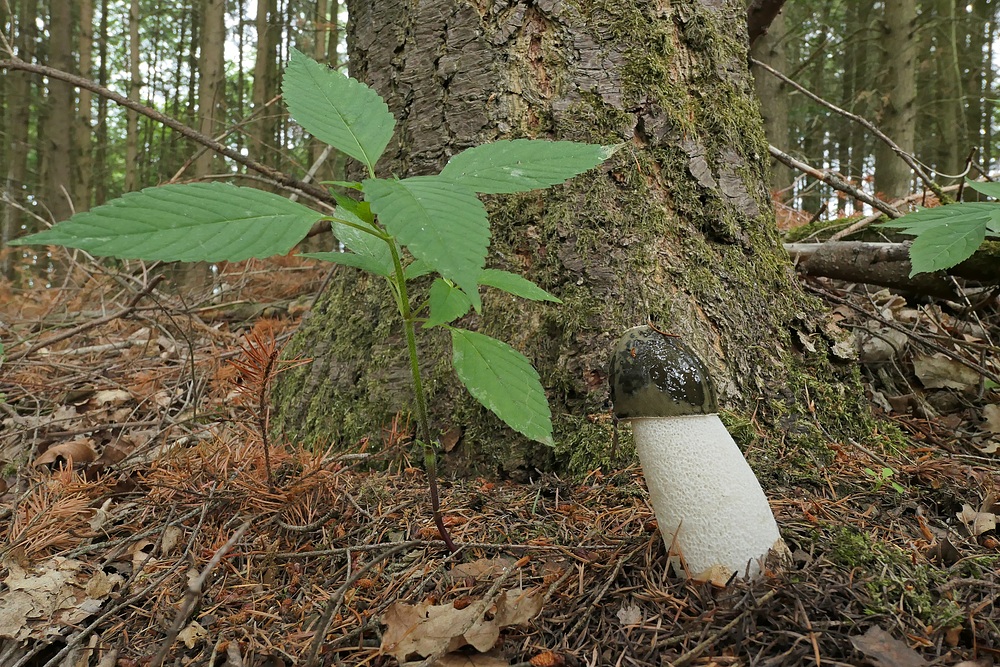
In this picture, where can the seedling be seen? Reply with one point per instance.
(882, 477)
(401, 229)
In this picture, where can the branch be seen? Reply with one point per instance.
(888, 265)
(198, 137)
(760, 14)
(835, 183)
(868, 125)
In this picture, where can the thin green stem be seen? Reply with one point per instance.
(430, 456)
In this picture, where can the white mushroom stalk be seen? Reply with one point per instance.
(709, 506)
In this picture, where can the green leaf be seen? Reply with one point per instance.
(362, 242)
(443, 224)
(515, 284)
(369, 264)
(928, 218)
(360, 209)
(446, 302)
(415, 269)
(522, 164)
(503, 380)
(207, 222)
(946, 245)
(337, 109)
(988, 189)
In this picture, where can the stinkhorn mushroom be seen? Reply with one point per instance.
(708, 503)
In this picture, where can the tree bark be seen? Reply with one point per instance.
(18, 119)
(211, 81)
(57, 139)
(265, 78)
(893, 177)
(677, 226)
(770, 49)
(134, 88)
(82, 129)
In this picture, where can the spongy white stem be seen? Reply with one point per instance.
(700, 483)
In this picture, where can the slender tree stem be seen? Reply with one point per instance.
(430, 456)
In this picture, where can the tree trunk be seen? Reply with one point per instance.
(57, 139)
(19, 86)
(211, 80)
(265, 79)
(677, 226)
(134, 88)
(82, 130)
(770, 50)
(101, 138)
(898, 118)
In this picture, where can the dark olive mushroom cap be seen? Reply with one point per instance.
(655, 375)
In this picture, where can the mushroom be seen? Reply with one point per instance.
(708, 503)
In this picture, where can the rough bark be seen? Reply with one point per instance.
(134, 88)
(677, 226)
(19, 86)
(211, 80)
(893, 177)
(82, 130)
(265, 82)
(56, 136)
(101, 131)
(770, 49)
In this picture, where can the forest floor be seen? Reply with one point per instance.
(139, 525)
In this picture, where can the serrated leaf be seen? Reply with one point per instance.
(988, 189)
(503, 380)
(354, 260)
(928, 218)
(945, 245)
(522, 164)
(446, 303)
(441, 223)
(337, 109)
(515, 284)
(416, 269)
(362, 242)
(196, 222)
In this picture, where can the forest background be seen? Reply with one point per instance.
(215, 66)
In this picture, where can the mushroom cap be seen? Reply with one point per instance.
(656, 375)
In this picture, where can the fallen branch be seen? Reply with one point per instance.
(888, 265)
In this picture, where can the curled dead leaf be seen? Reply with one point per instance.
(74, 451)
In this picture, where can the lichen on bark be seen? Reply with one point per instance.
(676, 227)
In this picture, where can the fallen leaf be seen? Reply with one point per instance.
(74, 451)
(517, 607)
(192, 634)
(978, 522)
(414, 632)
(991, 415)
(629, 615)
(44, 600)
(989, 447)
(879, 645)
(938, 371)
(484, 568)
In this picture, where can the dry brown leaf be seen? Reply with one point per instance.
(938, 371)
(74, 451)
(517, 607)
(978, 522)
(44, 601)
(414, 632)
(484, 568)
(880, 646)
(192, 634)
(991, 417)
